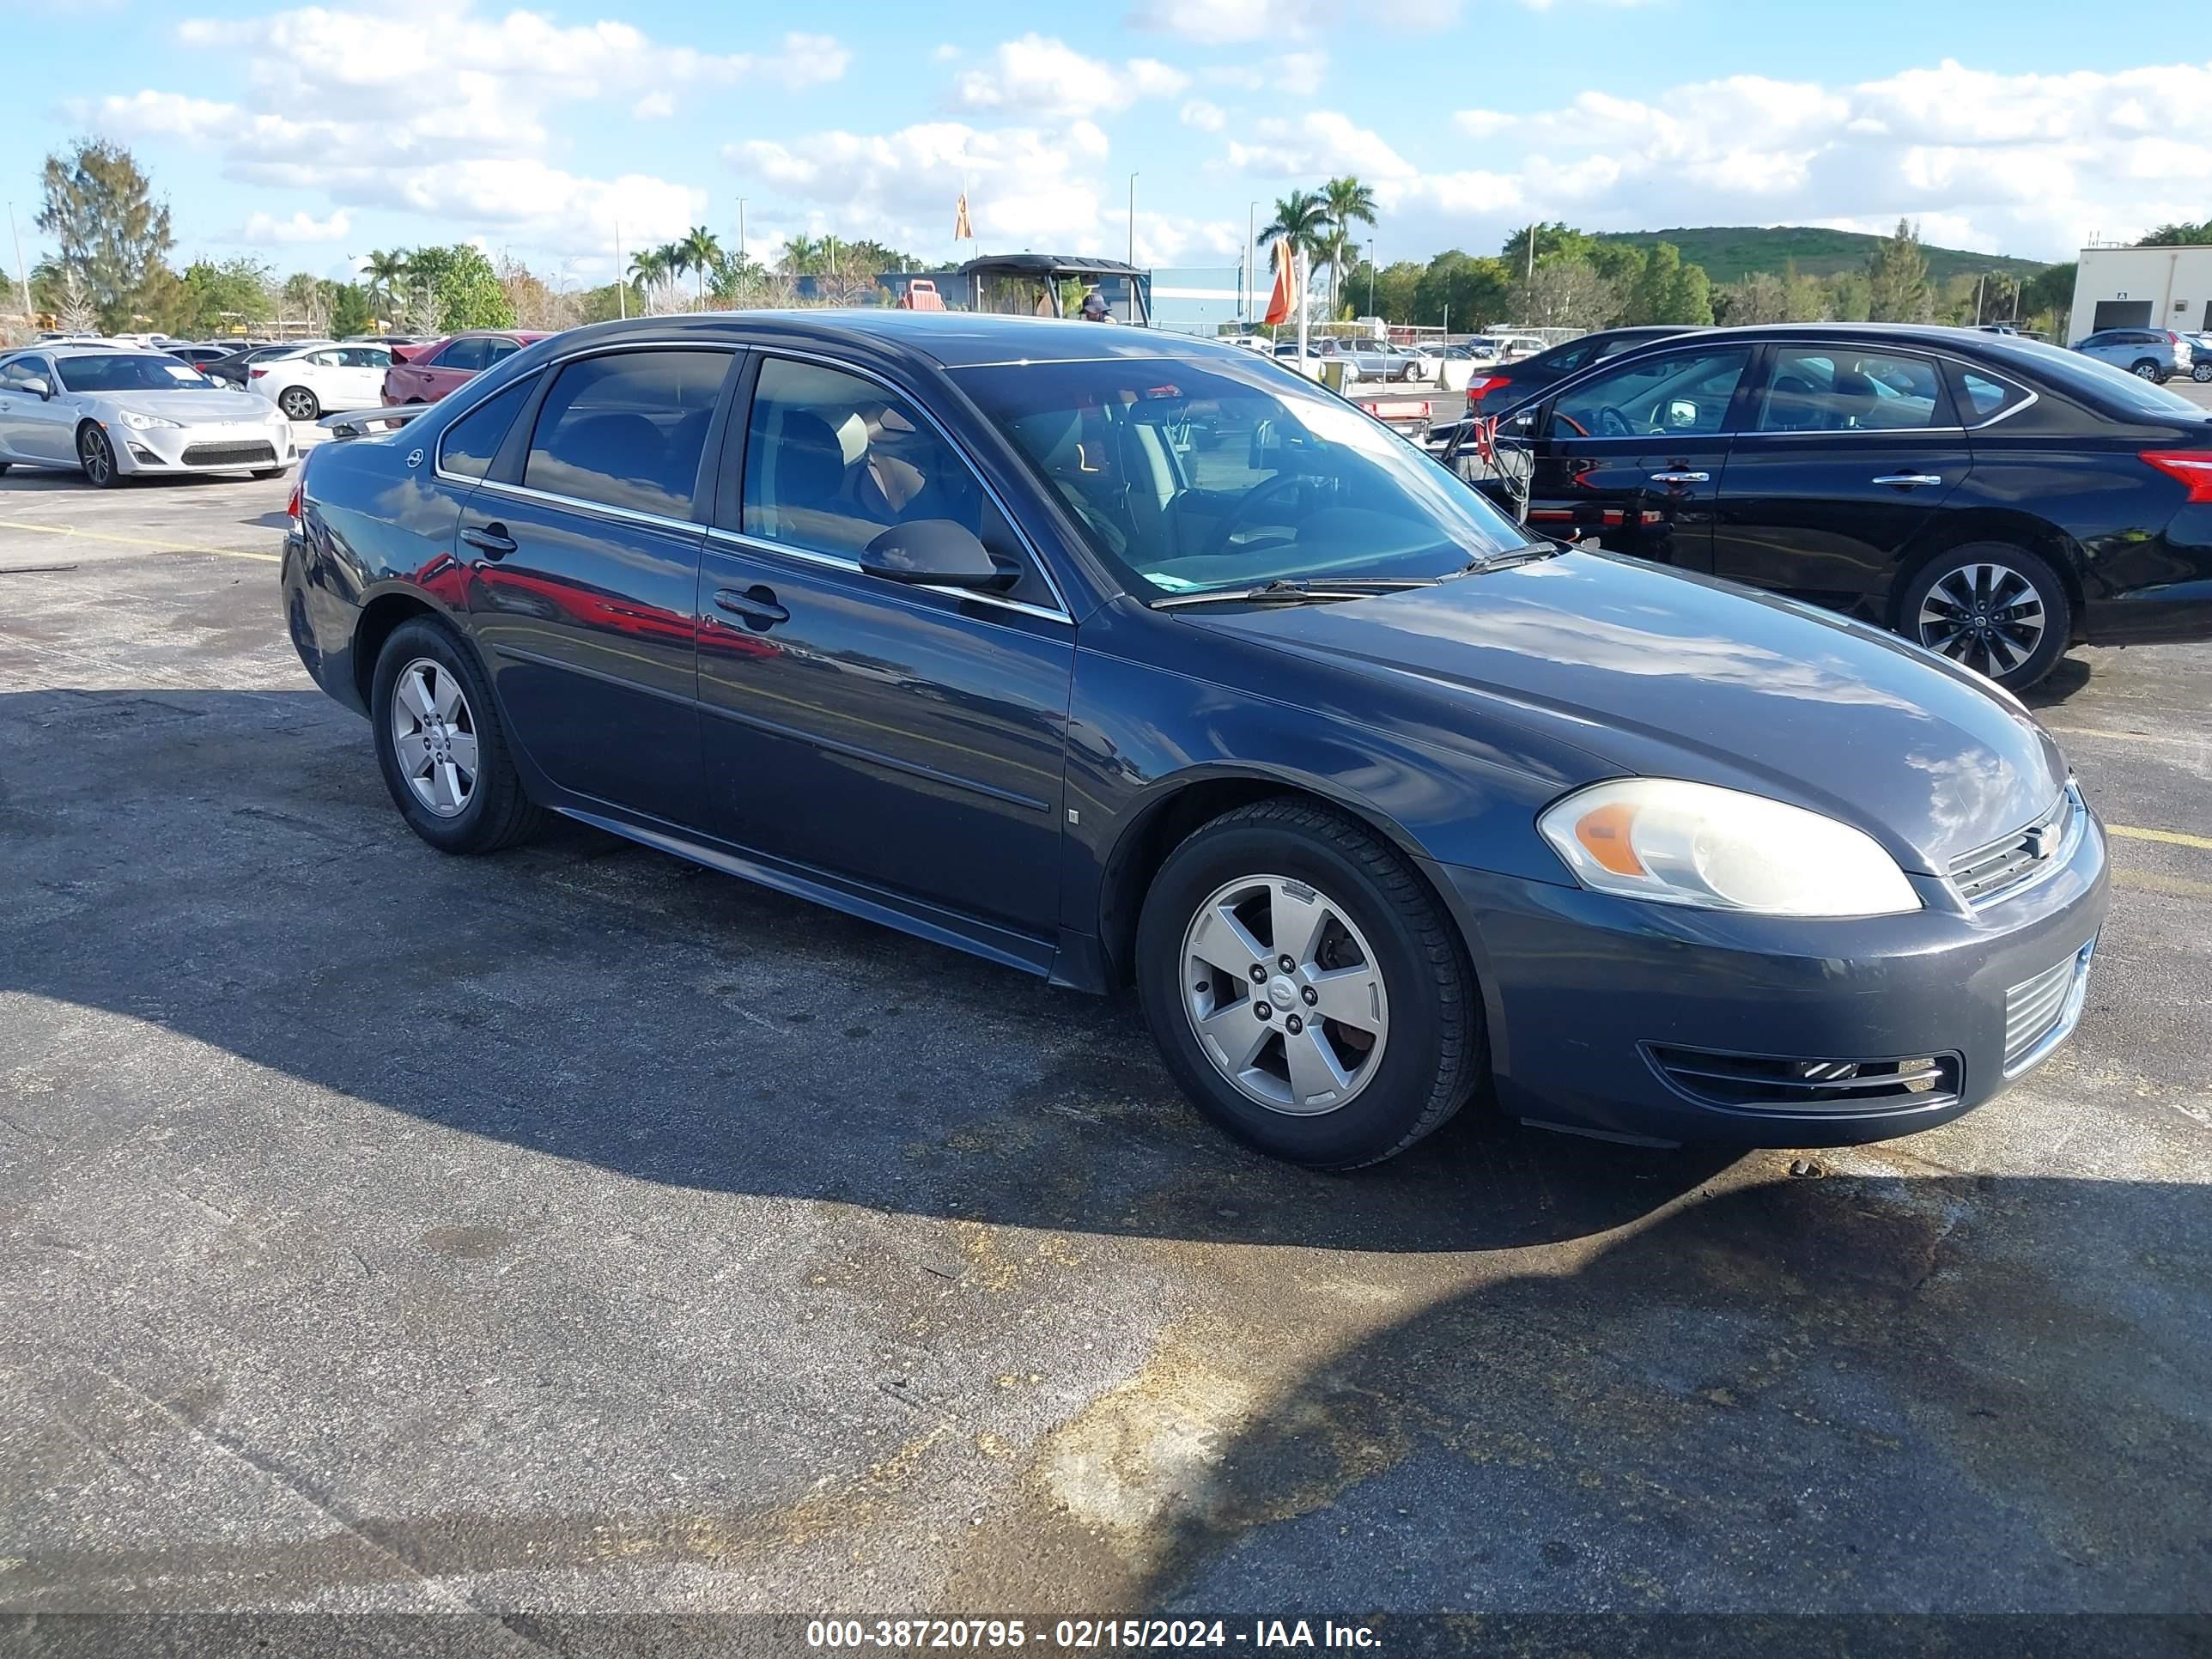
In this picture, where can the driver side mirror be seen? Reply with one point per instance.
(933, 551)
(1681, 414)
(37, 386)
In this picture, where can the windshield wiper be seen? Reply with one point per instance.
(1526, 553)
(1285, 590)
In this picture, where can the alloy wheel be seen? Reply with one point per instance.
(99, 460)
(298, 403)
(1988, 617)
(433, 733)
(1284, 995)
(2201, 374)
(2147, 371)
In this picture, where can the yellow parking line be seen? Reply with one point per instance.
(2151, 881)
(138, 541)
(2170, 838)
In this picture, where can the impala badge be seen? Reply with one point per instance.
(415, 457)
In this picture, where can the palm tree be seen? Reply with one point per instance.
(674, 262)
(1350, 202)
(647, 270)
(1300, 220)
(801, 254)
(385, 271)
(703, 250)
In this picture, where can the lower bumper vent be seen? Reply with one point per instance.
(231, 455)
(1769, 1083)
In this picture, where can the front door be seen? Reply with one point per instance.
(583, 572)
(906, 737)
(1631, 457)
(1847, 454)
(39, 429)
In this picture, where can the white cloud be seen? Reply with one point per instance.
(653, 107)
(1321, 143)
(1036, 76)
(1207, 117)
(945, 53)
(1236, 22)
(299, 228)
(1290, 74)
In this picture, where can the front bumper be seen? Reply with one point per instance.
(1593, 1000)
(224, 446)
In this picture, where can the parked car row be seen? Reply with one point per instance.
(2149, 353)
(119, 412)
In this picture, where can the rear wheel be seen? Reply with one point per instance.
(1995, 608)
(268, 471)
(440, 746)
(2201, 372)
(298, 403)
(97, 457)
(1306, 988)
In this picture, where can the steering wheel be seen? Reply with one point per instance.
(1611, 423)
(1233, 521)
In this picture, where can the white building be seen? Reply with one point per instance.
(2142, 287)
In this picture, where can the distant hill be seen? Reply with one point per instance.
(1729, 252)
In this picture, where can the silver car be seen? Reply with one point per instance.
(114, 413)
(2153, 354)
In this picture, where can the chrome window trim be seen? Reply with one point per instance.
(524, 493)
(837, 562)
(1855, 432)
(437, 462)
(2009, 410)
(1065, 613)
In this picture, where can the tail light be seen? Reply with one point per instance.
(257, 373)
(1477, 389)
(2172, 338)
(292, 507)
(2192, 466)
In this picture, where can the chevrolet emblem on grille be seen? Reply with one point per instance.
(2042, 840)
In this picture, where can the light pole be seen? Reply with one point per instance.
(22, 271)
(1370, 276)
(1251, 255)
(1133, 219)
(741, 230)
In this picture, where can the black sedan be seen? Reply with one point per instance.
(945, 621)
(1500, 388)
(1989, 497)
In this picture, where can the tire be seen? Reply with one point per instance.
(1424, 1053)
(268, 472)
(1951, 583)
(493, 812)
(298, 403)
(2201, 374)
(3, 468)
(97, 457)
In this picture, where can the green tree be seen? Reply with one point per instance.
(229, 297)
(1567, 292)
(385, 271)
(1349, 204)
(1464, 291)
(2178, 235)
(1760, 297)
(100, 210)
(1850, 297)
(1899, 290)
(701, 250)
(350, 312)
(463, 284)
(1302, 219)
(1558, 237)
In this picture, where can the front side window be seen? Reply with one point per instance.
(471, 442)
(628, 430)
(1684, 391)
(1195, 474)
(833, 461)
(1832, 389)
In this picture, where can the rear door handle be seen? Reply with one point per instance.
(491, 538)
(757, 605)
(1910, 480)
(1681, 478)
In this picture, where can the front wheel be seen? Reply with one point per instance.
(97, 457)
(1306, 988)
(298, 403)
(441, 747)
(2201, 374)
(1997, 609)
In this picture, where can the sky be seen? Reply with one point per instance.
(307, 135)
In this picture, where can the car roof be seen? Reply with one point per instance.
(948, 339)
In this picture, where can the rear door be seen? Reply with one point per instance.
(1631, 457)
(1845, 455)
(582, 548)
(360, 374)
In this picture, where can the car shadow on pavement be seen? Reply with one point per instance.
(2069, 676)
(1866, 1393)
(227, 867)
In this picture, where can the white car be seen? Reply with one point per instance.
(115, 413)
(307, 381)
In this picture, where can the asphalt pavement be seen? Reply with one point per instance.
(579, 1229)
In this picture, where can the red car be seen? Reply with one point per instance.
(424, 373)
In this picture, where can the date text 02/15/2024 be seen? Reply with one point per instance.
(1082, 1635)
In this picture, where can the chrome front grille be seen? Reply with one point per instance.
(1753, 1083)
(2006, 866)
(2040, 1013)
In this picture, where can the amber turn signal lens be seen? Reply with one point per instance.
(1604, 831)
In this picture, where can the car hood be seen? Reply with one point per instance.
(1662, 674)
(190, 406)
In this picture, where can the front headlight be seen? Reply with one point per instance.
(1675, 843)
(139, 423)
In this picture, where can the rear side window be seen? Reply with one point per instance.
(464, 353)
(496, 349)
(1984, 397)
(627, 429)
(471, 442)
(1831, 389)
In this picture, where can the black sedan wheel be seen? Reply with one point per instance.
(439, 743)
(1306, 988)
(97, 457)
(1995, 608)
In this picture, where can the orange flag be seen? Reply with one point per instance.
(962, 230)
(1281, 301)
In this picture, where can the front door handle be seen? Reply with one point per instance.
(1681, 478)
(757, 605)
(1910, 480)
(492, 539)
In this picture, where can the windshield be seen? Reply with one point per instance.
(127, 372)
(1190, 476)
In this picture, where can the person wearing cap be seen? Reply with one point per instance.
(1094, 308)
